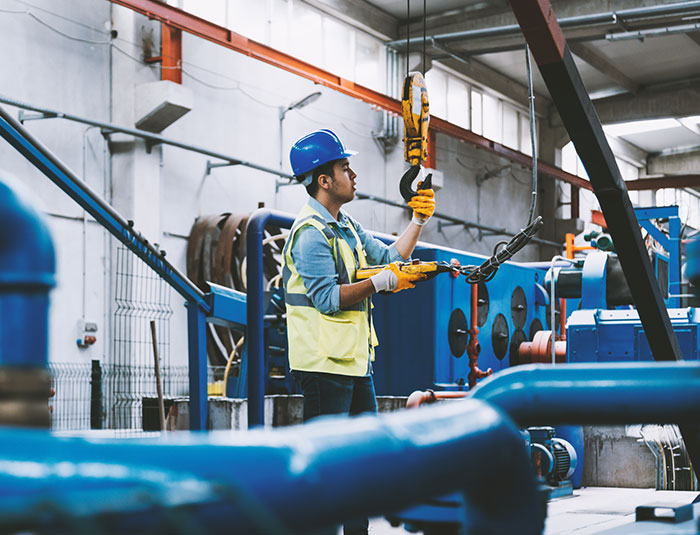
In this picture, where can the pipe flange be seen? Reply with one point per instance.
(24, 394)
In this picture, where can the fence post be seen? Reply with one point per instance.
(96, 396)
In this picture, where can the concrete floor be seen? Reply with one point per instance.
(599, 509)
(590, 510)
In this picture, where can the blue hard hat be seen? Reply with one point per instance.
(314, 149)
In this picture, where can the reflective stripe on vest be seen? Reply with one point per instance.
(340, 343)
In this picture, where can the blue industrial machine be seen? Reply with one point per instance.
(602, 325)
(618, 335)
(423, 334)
(554, 459)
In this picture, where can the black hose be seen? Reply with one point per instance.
(533, 141)
(486, 271)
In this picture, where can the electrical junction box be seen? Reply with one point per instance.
(618, 335)
(157, 105)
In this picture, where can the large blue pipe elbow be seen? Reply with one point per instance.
(27, 268)
(610, 393)
(255, 309)
(290, 481)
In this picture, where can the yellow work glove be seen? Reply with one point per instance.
(423, 205)
(405, 280)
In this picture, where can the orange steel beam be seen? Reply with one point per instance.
(431, 162)
(597, 218)
(181, 20)
(575, 202)
(171, 53)
(194, 25)
(480, 142)
(669, 181)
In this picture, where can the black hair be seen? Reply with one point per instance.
(324, 169)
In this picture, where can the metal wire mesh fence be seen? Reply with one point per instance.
(71, 404)
(119, 391)
(140, 296)
(81, 402)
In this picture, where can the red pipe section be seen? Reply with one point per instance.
(473, 348)
(417, 398)
(539, 351)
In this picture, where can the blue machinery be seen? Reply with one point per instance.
(267, 481)
(423, 333)
(605, 328)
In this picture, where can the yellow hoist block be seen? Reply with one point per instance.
(416, 118)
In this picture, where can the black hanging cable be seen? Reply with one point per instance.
(425, 17)
(408, 31)
(533, 137)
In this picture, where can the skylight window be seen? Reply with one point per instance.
(652, 125)
(639, 127)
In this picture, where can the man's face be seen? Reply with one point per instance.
(343, 181)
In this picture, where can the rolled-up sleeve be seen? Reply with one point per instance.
(313, 259)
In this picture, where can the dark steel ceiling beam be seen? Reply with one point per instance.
(546, 39)
(569, 94)
(681, 98)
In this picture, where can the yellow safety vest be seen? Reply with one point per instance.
(340, 343)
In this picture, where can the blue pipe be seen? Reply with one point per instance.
(27, 267)
(293, 480)
(255, 308)
(610, 393)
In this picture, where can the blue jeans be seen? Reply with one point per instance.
(327, 393)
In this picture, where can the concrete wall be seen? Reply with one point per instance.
(675, 164)
(235, 111)
(615, 456)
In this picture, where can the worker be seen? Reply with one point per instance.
(331, 338)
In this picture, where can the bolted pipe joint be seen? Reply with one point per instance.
(27, 268)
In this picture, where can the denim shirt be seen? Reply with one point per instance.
(313, 257)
